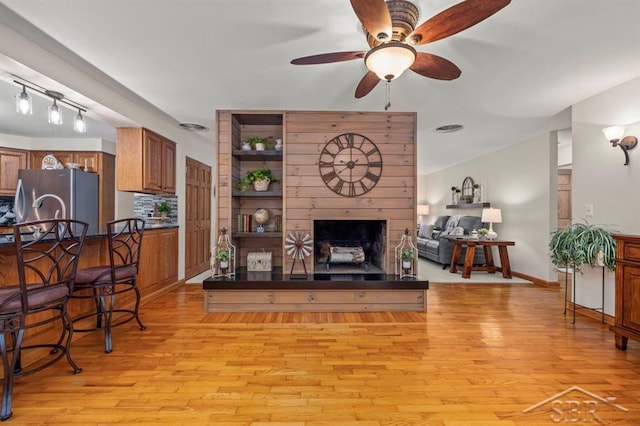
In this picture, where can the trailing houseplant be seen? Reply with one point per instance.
(583, 244)
(257, 175)
(407, 256)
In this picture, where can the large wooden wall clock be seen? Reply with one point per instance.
(350, 164)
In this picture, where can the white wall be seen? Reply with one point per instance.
(516, 180)
(600, 178)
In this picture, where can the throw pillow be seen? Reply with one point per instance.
(425, 231)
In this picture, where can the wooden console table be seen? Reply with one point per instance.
(471, 245)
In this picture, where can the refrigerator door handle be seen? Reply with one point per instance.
(19, 202)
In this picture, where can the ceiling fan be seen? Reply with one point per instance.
(391, 33)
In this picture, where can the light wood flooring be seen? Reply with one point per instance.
(481, 355)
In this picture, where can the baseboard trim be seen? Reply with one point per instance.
(536, 280)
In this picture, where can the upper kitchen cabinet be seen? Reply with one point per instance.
(145, 161)
(11, 160)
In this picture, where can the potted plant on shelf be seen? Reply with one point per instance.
(466, 198)
(407, 256)
(164, 208)
(258, 143)
(222, 256)
(482, 232)
(260, 178)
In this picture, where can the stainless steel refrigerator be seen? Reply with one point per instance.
(50, 194)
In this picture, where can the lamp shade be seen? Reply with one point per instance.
(390, 60)
(423, 209)
(491, 215)
(613, 133)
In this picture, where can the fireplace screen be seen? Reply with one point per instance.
(349, 246)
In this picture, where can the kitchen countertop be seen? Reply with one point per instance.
(8, 242)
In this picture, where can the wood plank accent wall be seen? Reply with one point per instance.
(305, 196)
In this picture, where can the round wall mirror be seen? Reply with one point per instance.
(467, 188)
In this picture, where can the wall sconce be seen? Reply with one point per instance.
(614, 135)
(54, 113)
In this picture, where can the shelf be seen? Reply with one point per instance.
(263, 194)
(469, 206)
(257, 234)
(257, 155)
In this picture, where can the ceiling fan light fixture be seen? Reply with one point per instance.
(388, 61)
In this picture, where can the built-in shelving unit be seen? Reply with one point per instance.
(234, 205)
(469, 206)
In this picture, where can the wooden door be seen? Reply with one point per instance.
(564, 198)
(10, 162)
(197, 217)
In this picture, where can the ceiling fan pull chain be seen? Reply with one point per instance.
(388, 105)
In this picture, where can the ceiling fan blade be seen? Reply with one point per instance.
(375, 17)
(368, 82)
(455, 19)
(326, 58)
(434, 66)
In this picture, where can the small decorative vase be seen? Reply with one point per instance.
(474, 234)
(278, 146)
(261, 185)
(246, 146)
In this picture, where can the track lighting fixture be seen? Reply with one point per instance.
(54, 113)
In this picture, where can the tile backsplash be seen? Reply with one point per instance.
(143, 205)
(7, 218)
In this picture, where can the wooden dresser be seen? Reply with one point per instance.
(627, 323)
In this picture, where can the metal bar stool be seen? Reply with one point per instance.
(104, 283)
(47, 258)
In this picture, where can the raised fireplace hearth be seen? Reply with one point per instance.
(349, 246)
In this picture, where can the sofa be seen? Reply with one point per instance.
(433, 245)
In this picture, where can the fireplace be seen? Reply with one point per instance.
(349, 246)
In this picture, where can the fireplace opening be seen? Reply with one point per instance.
(349, 246)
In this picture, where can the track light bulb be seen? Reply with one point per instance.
(24, 105)
(79, 124)
(55, 115)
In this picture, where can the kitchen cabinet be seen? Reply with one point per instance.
(11, 160)
(145, 161)
(158, 259)
(96, 162)
(627, 322)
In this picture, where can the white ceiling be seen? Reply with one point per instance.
(520, 68)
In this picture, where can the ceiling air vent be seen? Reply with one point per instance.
(449, 128)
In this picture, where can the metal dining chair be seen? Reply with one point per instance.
(104, 283)
(47, 262)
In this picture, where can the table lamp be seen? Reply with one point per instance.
(423, 210)
(491, 216)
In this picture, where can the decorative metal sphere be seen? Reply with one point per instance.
(261, 216)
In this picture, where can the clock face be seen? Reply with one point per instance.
(350, 164)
